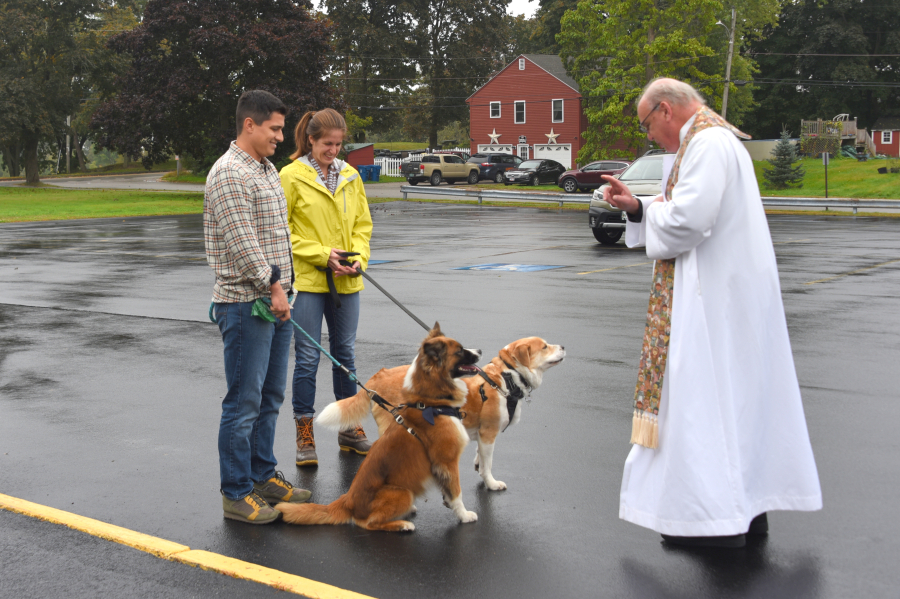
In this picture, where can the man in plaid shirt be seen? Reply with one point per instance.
(248, 246)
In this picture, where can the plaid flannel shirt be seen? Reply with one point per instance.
(245, 227)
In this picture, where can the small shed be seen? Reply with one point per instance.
(886, 135)
(360, 154)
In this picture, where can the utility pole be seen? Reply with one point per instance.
(728, 64)
(68, 145)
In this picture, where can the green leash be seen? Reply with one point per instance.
(262, 309)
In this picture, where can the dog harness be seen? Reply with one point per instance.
(514, 394)
(429, 412)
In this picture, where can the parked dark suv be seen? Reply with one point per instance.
(493, 166)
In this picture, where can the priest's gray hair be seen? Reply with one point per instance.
(676, 93)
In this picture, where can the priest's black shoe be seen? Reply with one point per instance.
(731, 541)
(759, 525)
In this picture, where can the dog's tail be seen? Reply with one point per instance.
(312, 513)
(345, 413)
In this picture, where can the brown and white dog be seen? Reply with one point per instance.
(490, 408)
(400, 465)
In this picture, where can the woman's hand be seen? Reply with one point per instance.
(334, 263)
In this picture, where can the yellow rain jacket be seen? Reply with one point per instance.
(320, 221)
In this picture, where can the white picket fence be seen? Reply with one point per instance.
(390, 167)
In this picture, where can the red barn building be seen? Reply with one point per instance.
(886, 135)
(531, 108)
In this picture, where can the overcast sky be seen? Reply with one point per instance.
(526, 7)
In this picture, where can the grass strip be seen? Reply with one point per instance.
(19, 204)
(48, 203)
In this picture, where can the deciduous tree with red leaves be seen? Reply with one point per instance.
(192, 60)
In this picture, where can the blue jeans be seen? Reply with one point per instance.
(309, 308)
(256, 360)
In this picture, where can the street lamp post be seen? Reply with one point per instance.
(728, 63)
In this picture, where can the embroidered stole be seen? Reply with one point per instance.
(655, 349)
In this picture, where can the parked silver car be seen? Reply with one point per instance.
(643, 178)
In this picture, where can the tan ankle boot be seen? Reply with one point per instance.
(306, 443)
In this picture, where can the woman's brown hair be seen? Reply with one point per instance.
(316, 124)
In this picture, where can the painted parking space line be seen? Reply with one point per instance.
(511, 267)
(852, 272)
(589, 272)
(176, 552)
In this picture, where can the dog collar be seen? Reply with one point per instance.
(429, 412)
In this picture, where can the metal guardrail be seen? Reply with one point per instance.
(565, 198)
(509, 196)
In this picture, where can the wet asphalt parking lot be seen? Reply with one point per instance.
(111, 377)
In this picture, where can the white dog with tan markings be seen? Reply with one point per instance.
(493, 401)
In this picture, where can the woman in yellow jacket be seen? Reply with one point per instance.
(328, 214)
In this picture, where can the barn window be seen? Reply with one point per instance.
(521, 64)
(557, 111)
(495, 110)
(887, 137)
(520, 112)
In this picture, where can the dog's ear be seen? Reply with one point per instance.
(434, 350)
(522, 353)
(435, 331)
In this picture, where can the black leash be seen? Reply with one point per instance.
(428, 412)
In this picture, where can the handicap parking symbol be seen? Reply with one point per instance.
(511, 267)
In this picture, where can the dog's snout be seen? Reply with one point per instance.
(474, 353)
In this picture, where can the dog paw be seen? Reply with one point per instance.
(407, 527)
(467, 517)
(497, 485)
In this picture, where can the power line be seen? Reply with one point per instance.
(827, 55)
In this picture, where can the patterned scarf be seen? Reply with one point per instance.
(644, 424)
(331, 180)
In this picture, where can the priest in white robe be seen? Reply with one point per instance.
(723, 439)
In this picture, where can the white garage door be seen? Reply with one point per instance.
(562, 153)
(502, 148)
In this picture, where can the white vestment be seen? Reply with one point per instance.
(733, 441)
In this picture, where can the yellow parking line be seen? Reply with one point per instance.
(614, 268)
(852, 272)
(176, 552)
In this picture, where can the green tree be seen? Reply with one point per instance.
(613, 48)
(53, 56)
(783, 173)
(548, 20)
(192, 60)
(454, 47)
(371, 66)
(519, 35)
(825, 59)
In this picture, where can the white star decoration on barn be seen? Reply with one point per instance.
(495, 137)
(551, 137)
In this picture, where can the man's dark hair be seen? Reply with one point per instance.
(259, 106)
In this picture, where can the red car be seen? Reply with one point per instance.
(588, 177)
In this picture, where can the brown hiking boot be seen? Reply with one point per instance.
(354, 440)
(252, 509)
(276, 490)
(306, 443)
